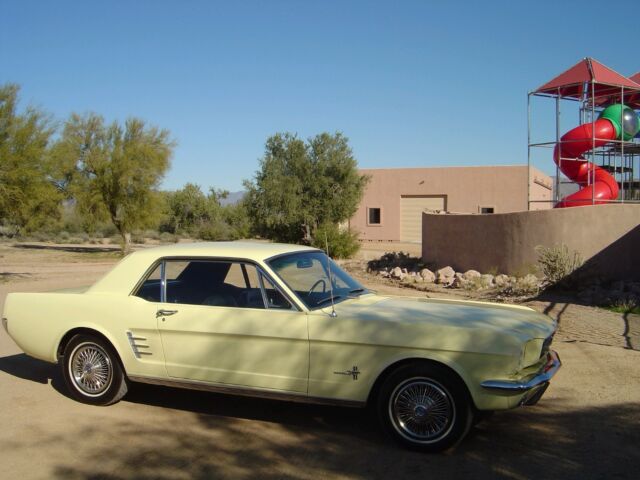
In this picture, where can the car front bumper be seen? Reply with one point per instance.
(533, 387)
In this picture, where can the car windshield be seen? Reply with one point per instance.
(307, 274)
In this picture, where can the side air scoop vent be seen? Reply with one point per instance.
(138, 345)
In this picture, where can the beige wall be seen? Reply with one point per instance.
(607, 236)
(466, 189)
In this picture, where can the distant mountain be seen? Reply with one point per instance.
(233, 198)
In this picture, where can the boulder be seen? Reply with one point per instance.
(486, 280)
(428, 275)
(397, 273)
(471, 274)
(501, 280)
(445, 276)
(459, 281)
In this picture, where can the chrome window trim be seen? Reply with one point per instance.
(263, 291)
(261, 274)
(163, 281)
(163, 293)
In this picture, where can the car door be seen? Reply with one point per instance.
(225, 322)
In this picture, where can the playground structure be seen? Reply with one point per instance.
(600, 155)
(600, 158)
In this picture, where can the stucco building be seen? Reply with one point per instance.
(391, 208)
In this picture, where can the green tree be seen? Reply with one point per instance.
(28, 197)
(302, 185)
(189, 209)
(113, 171)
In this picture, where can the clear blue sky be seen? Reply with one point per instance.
(411, 83)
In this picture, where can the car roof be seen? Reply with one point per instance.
(252, 250)
(126, 274)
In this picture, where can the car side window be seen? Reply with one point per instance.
(275, 298)
(213, 283)
(151, 289)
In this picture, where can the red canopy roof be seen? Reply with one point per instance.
(634, 100)
(588, 77)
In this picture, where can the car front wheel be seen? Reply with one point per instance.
(425, 407)
(92, 371)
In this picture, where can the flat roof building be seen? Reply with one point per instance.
(394, 199)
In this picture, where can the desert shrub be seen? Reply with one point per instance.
(216, 230)
(40, 237)
(522, 287)
(166, 237)
(475, 284)
(342, 243)
(395, 259)
(152, 234)
(115, 239)
(81, 237)
(107, 230)
(626, 305)
(557, 263)
(139, 238)
(63, 237)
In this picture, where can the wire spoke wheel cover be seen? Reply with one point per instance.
(421, 410)
(91, 369)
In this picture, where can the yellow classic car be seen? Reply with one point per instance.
(284, 321)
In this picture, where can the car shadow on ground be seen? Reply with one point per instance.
(204, 435)
(28, 368)
(243, 437)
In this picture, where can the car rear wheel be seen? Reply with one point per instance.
(92, 371)
(425, 407)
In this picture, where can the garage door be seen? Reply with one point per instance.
(411, 208)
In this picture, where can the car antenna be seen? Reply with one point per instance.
(333, 306)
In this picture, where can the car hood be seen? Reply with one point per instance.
(459, 314)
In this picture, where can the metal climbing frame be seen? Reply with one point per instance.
(619, 158)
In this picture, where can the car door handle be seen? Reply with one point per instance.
(165, 313)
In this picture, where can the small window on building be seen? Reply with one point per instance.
(486, 209)
(374, 216)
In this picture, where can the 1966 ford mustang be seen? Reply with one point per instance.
(284, 321)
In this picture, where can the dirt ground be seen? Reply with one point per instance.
(586, 427)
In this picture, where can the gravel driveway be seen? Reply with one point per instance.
(586, 427)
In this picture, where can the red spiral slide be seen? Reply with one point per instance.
(597, 184)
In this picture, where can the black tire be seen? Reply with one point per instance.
(92, 371)
(425, 407)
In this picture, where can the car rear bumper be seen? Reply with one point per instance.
(534, 385)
